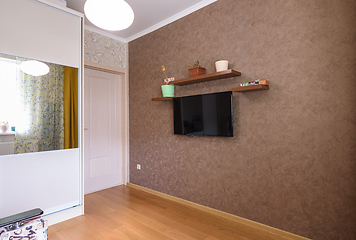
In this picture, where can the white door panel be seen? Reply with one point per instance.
(100, 166)
(102, 125)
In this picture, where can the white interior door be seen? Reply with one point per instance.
(102, 130)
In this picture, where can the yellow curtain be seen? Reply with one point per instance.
(70, 107)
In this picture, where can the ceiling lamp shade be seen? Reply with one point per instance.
(34, 68)
(110, 15)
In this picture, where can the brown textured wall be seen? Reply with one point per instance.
(291, 162)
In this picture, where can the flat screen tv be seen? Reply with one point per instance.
(204, 115)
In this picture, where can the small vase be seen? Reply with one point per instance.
(3, 128)
(168, 90)
(221, 65)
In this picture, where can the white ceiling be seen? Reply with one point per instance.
(149, 15)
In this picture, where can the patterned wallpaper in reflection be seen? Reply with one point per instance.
(104, 50)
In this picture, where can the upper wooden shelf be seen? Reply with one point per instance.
(206, 77)
(250, 88)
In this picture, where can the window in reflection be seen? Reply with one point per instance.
(9, 114)
(40, 111)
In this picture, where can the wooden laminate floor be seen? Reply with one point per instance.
(126, 213)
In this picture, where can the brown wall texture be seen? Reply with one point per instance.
(291, 162)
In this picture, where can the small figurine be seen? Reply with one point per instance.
(255, 82)
(168, 80)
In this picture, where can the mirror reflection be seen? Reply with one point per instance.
(37, 112)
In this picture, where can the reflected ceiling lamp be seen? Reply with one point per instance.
(34, 68)
(110, 15)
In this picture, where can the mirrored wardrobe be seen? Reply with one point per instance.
(41, 143)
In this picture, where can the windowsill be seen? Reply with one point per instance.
(8, 133)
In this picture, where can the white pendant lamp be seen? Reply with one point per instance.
(110, 15)
(34, 68)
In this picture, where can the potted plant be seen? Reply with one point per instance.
(196, 69)
(221, 65)
(3, 126)
(167, 89)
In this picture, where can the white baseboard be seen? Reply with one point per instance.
(64, 215)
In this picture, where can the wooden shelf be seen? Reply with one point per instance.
(162, 99)
(201, 78)
(236, 89)
(250, 88)
(206, 77)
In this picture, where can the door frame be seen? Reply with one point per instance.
(125, 110)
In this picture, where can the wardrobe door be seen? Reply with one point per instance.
(33, 29)
(50, 180)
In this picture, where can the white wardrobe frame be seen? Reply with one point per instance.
(18, 38)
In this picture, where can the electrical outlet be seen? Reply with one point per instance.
(139, 166)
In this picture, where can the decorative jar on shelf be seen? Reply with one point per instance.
(2, 128)
(168, 90)
(221, 65)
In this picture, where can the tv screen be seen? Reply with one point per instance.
(204, 115)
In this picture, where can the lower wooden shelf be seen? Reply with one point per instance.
(162, 99)
(236, 89)
(251, 88)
